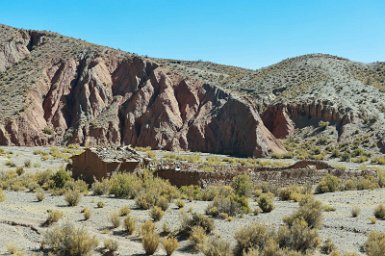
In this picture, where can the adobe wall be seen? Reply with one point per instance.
(303, 172)
(88, 166)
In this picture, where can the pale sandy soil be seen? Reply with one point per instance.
(348, 233)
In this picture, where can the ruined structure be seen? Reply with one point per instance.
(98, 163)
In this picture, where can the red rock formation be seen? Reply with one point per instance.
(96, 98)
(282, 119)
(278, 121)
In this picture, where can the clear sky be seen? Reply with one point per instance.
(243, 33)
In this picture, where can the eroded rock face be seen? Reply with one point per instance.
(281, 119)
(110, 99)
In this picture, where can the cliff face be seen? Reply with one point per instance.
(282, 118)
(73, 92)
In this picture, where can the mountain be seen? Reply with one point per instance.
(58, 90)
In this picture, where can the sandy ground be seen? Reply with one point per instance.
(348, 233)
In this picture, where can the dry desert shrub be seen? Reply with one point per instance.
(231, 204)
(150, 242)
(197, 237)
(242, 185)
(298, 236)
(355, 211)
(86, 213)
(329, 183)
(249, 237)
(13, 249)
(2, 195)
(188, 221)
(179, 203)
(215, 246)
(147, 227)
(156, 213)
(129, 225)
(372, 220)
(124, 211)
(115, 219)
(310, 211)
(379, 212)
(375, 244)
(68, 240)
(292, 192)
(328, 246)
(53, 216)
(101, 187)
(170, 244)
(265, 202)
(110, 246)
(40, 195)
(72, 197)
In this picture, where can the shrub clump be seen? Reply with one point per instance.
(72, 197)
(40, 195)
(86, 213)
(242, 185)
(60, 178)
(375, 244)
(310, 211)
(101, 187)
(124, 211)
(196, 219)
(53, 216)
(355, 212)
(215, 246)
(150, 239)
(2, 195)
(379, 212)
(298, 236)
(252, 236)
(110, 246)
(129, 225)
(156, 213)
(179, 203)
(329, 183)
(170, 244)
(265, 202)
(328, 247)
(231, 204)
(300, 232)
(197, 237)
(124, 185)
(68, 240)
(292, 192)
(115, 220)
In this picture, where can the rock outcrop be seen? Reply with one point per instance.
(282, 118)
(98, 96)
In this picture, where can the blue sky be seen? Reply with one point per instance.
(243, 33)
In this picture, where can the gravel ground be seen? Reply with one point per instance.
(348, 233)
(21, 207)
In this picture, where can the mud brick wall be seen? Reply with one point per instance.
(302, 172)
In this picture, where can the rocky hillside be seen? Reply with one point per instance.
(58, 90)
(296, 95)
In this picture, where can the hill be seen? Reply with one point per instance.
(60, 90)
